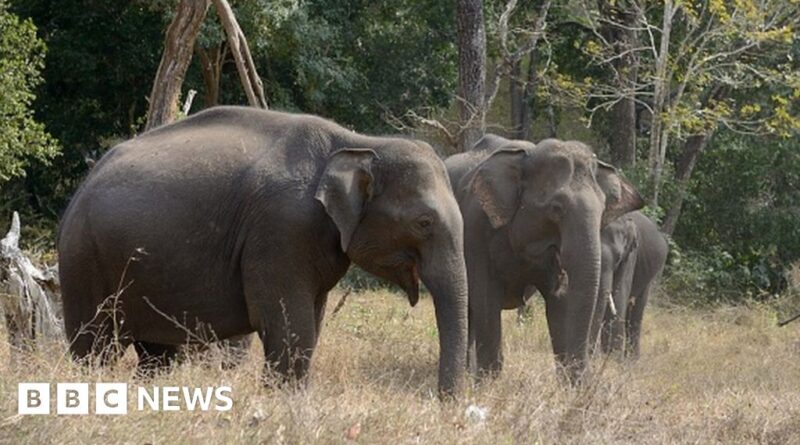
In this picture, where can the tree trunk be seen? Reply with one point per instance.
(658, 134)
(178, 46)
(516, 91)
(523, 94)
(529, 95)
(623, 133)
(211, 60)
(251, 83)
(692, 149)
(471, 71)
(552, 121)
(622, 137)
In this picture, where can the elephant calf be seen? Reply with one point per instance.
(634, 253)
(237, 220)
(532, 218)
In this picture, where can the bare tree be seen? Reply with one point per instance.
(240, 50)
(178, 46)
(659, 139)
(211, 61)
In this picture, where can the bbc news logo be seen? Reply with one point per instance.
(112, 398)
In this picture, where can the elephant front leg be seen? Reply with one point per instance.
(486, 327)
(282, 310)
(289, 339)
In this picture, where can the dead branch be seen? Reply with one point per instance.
(785, 322)
(253, 87)
(28, 295)
(341, 302)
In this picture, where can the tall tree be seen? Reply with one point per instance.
(179, 44)
(522, 89)
(178, 47)
(620, 30)
(471, 71)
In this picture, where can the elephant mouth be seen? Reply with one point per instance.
(408, 280)
(401, 270)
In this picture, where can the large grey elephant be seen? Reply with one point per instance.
(634, 252)
(237, 220)
(532, 219)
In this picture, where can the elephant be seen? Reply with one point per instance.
(532, 219)
(634, 253)
(237, 220)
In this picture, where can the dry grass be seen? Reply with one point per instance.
(717, 376)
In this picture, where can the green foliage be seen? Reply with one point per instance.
(697, 278)
(22, 138)
(355, 61)
(359, 280)
(745, 206)
(101, 61)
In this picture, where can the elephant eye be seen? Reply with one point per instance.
(424, 222)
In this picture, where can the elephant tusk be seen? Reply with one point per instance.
(611, 304)
(562, 285)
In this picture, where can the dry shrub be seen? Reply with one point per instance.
(702, 378)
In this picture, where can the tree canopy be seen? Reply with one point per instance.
(697, 100)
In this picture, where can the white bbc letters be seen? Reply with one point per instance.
(111, 398)
(72, 398)
(33, 398)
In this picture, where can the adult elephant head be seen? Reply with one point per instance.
(532, 216)
(398, 219)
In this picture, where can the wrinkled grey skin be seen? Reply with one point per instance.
(246, 219)
(532, 219)
(634, 254)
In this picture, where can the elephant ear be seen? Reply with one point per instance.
(496, 185)
(345, 187)
(621, 197)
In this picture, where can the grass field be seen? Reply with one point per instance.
(725, 375)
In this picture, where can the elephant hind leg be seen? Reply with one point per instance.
(154, 358)
(286, 322)
(98, 341)
(93, 319)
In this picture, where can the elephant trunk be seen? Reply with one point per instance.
(446, 278)
(570, 316)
